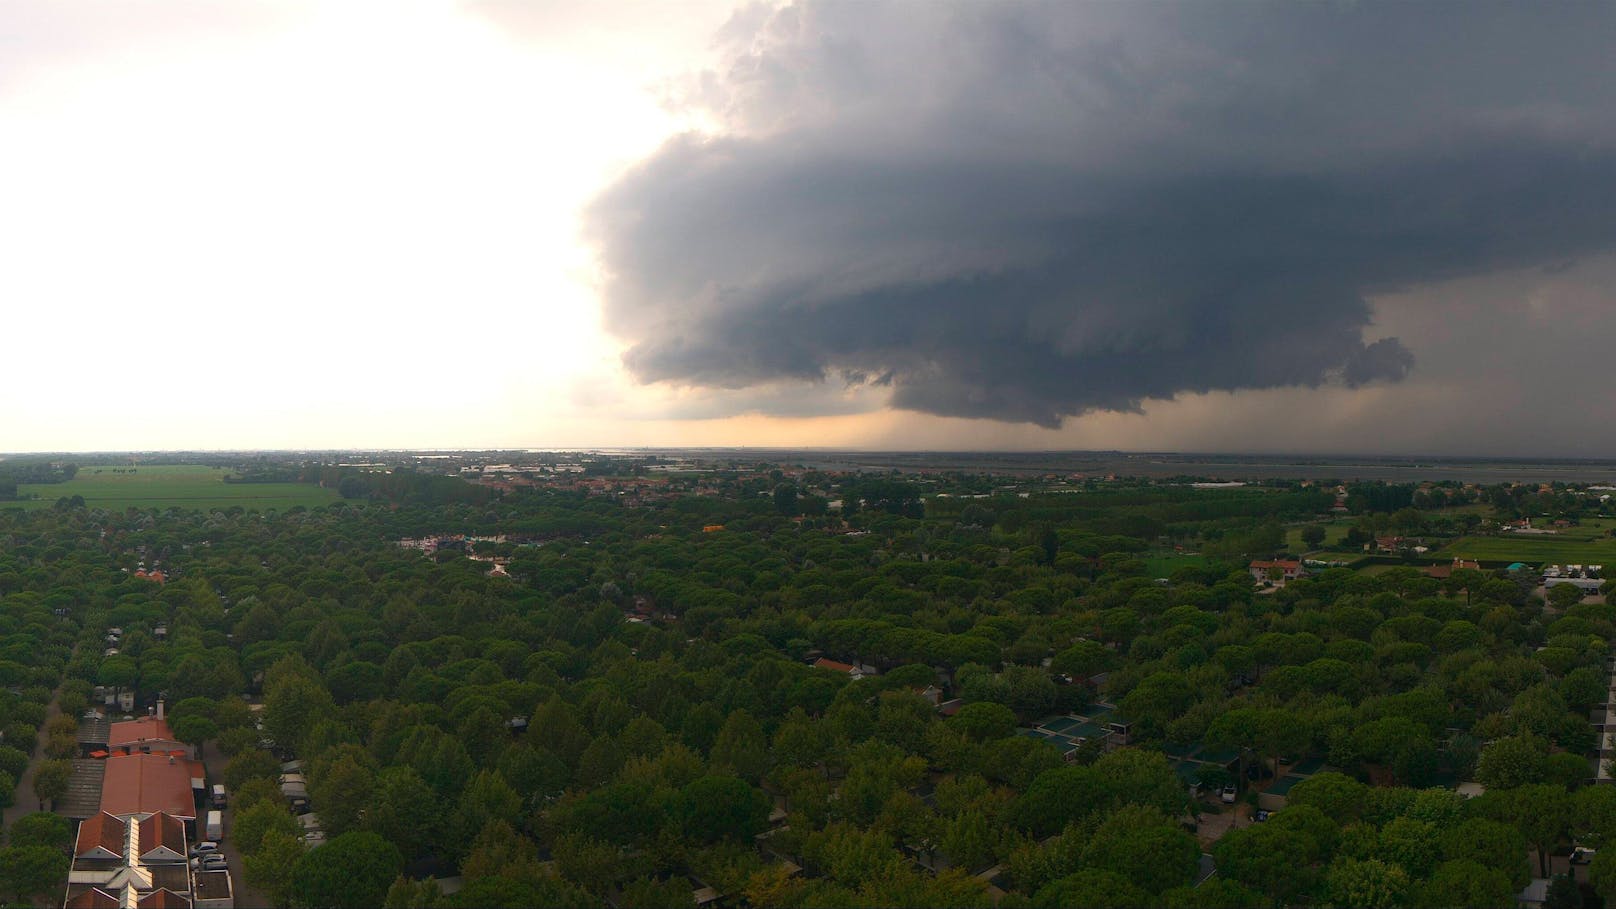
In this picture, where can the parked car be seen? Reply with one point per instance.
(203, 848)
(1227, 794)
(1582, 855)
(213, 861)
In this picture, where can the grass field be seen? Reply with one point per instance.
(172, 486)
(1589, 531)
(1162, 564)
(1333, 532)
(1535, 550)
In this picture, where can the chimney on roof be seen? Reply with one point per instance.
(159, 708)
(171, 759)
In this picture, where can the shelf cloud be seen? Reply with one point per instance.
(1032, 211)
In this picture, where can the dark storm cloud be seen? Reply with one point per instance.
(1032, 211)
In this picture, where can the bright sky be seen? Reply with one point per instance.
(332, 224)
(356, 224)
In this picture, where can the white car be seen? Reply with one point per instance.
(203, 848)
(213, 861)
(1227, 795)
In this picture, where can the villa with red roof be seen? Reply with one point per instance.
(1278, 569)
(851, 671)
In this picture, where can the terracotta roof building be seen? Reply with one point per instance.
(163, 899)
(853, 672)
(102, 837)
(137, 785)
(162, 839)
(127, 864)
(149, 733)
(1280, 569)
(94, 898)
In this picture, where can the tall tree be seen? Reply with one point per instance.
(741, 747)
(51, 779)
(271, 869)
(351, 871)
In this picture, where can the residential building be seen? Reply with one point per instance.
(854, 672)
(1276, 570)
(148, 735)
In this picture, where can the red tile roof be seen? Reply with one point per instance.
(135, 732)
(94, 899)
(147, 784)
(823, 663)
(163, 899)
(162, 830)
(104, 831)
(1277, 563)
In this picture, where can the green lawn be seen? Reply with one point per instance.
(1534, 550)
(1334, 531)
(1590, 530)
(172, 486)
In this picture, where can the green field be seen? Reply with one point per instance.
(1535, 550)
(1334, 531)
(1162, 564)
(171, 486)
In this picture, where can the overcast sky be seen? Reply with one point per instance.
(1295, 227)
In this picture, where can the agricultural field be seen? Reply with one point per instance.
(171, 486)
(1575, 548)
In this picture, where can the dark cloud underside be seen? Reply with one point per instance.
(1032, 211)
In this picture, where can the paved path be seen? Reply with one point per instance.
(215, 761)
(25, 802)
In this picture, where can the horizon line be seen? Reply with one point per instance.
(787, 449)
